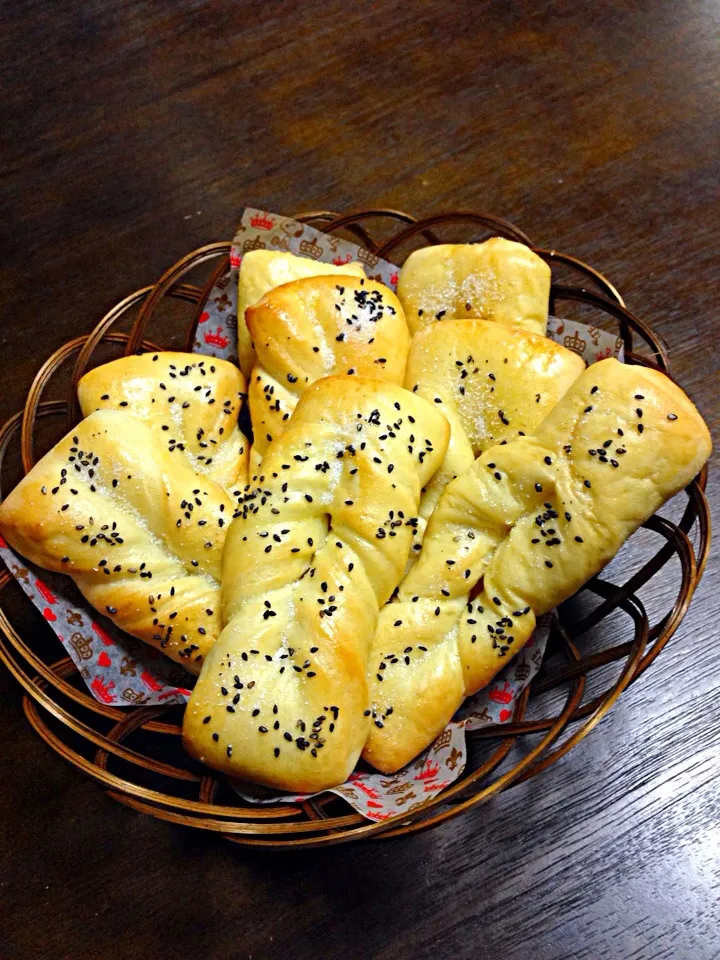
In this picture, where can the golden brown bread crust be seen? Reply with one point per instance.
(320, 545)
(493, 383)
(314, 328)
(531, 522)
(262, 271)
(136, 528)
(191, 401)
(498, 280)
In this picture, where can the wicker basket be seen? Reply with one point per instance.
(136, 754)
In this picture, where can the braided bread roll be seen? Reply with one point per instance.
(140, 533)
(498, 280)
(314, 328)
(531, 522)
(191, 401)
(492, 383)
(262, 271)
(319, 547)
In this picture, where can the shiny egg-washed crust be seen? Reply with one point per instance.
(493, 383)
(314, 328)
(140, 533)
(498, 280)
(319, 547)
(262, 271)
(530, 522)
(191, 401)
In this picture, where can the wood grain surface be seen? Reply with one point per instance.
(134, 131)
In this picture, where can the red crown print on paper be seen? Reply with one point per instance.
(105, 637)
(46, 591)
(501, 695)
(262, 222)
(367, 256)
(341, 261)
(574, 342)
(429, 771)
(235, 260)
(150, 682)
(604, 354)
(216, 339)
(311, 249)
(102, 690)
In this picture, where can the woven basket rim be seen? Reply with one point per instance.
(60, 710)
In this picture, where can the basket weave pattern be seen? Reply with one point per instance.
(136, 755)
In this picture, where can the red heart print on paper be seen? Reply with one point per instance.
(104, 660)
(49, 615)
(504, 715)
(204, 317)
(3, 541)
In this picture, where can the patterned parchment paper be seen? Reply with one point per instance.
(122, 671)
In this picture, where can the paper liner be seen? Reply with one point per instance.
(122, 671)
(591, 343)
(118, 669)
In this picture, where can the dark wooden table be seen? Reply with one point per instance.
(136, 130)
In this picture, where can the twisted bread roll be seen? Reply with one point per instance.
(497, 280)
(319, 547)
(262, 271)
(192, 402)
(532, 521)
(314, 328)
(492, 383)
(140, 533)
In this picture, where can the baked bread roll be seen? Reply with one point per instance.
(319, 547)
(497, 280)
(492, 383)
(262, 271)
(314, 328)
(192, 401)
(531, 522)
(140, 533)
